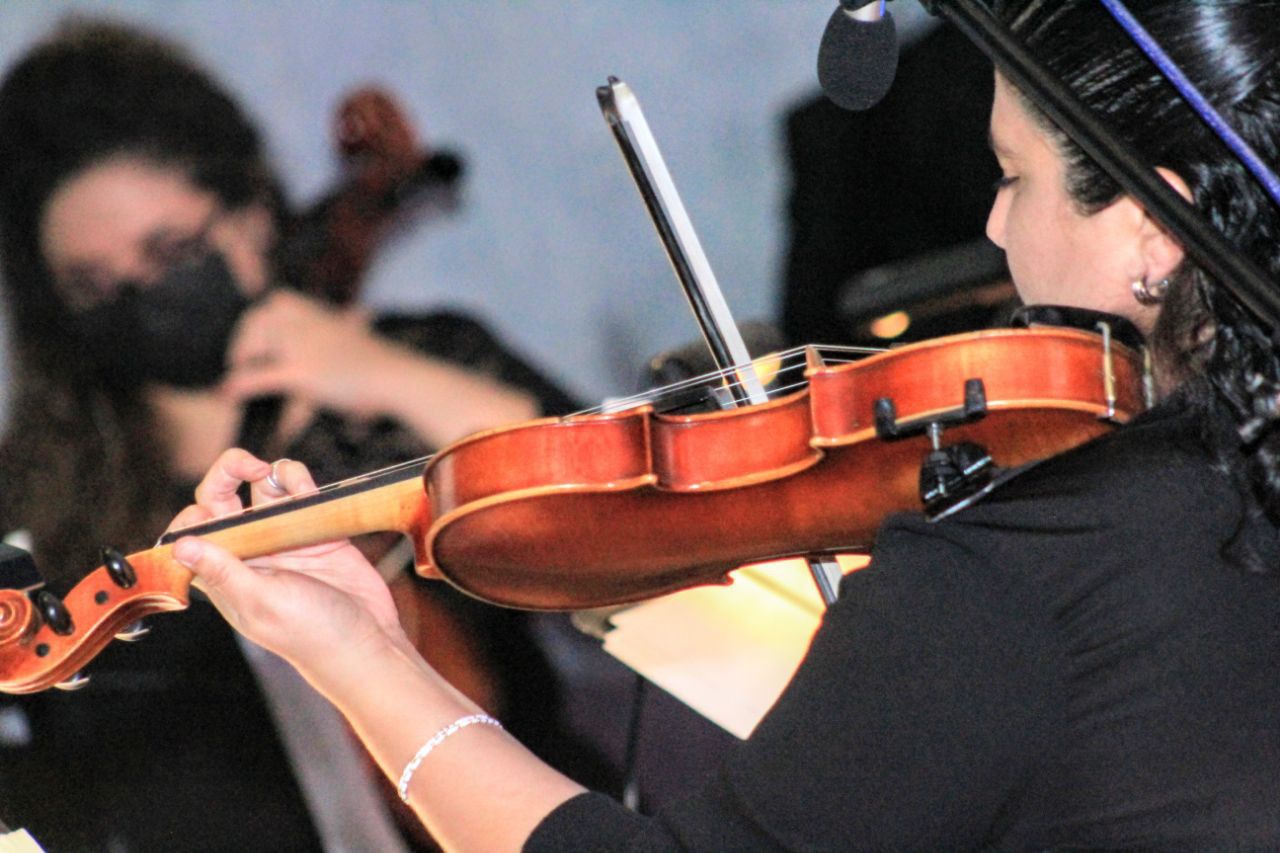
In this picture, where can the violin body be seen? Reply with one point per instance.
(611, 507)
(605, 509)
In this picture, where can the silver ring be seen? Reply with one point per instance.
(273, 480)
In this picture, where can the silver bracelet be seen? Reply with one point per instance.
(434, 741)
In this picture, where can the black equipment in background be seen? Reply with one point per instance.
(929, 295)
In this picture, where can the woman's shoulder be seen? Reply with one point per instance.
(1159, 465)
(1146, 495)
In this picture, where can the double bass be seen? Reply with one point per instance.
(390, 175)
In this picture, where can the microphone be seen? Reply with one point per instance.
(859, 54)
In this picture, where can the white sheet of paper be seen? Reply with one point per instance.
(725, 651)
(19, 841)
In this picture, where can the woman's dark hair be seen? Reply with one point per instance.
(1230, 49)
(79, 456)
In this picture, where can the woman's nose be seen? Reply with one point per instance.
(996, 220)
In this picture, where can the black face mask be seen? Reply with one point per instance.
(174, 332)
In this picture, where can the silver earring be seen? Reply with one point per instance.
(1148, 293)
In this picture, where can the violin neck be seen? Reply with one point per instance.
(391, 500)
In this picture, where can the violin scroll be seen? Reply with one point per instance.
(18, 581)
(40, 649)
(16, 612)
(369, 124)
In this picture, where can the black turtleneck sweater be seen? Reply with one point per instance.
(1071, 663)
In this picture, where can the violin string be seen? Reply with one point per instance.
(791, 360)
(777, 390)
(729, 378)
(638, 399)
(661, 391)
(715, 377)
(420, 462)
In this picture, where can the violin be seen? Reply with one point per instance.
(647, 497)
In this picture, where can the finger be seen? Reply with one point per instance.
(289, 301)
(217, 492)
(265, 328)
(273, 486)
(286, 311)
(295, 477)
(357, 316)
(283, 478)
(219, 572)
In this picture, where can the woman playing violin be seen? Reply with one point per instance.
(141, 226)
(1089, 657)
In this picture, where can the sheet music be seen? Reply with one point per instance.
(725, 651)
(19, 841)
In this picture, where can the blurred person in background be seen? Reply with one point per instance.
(141, 237)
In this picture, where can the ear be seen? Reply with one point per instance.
(1161, 253)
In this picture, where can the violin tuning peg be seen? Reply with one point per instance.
(118, 568)
(75, 682)
(54, 613)
(133, 633)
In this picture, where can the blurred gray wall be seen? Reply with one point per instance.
(552, 248)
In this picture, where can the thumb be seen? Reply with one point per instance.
(220, 574)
